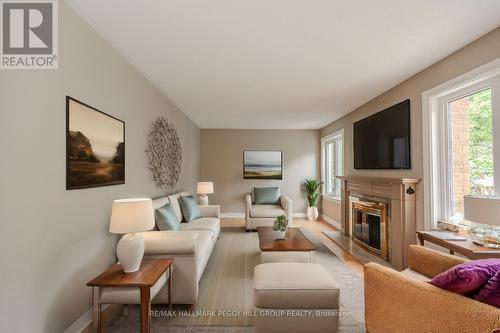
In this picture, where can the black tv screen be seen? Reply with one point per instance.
(382, 141)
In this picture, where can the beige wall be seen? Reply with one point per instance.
(222, 162)
(331, 209)
(474, 55)
(54, 241)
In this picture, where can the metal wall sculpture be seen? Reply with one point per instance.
(164, 154)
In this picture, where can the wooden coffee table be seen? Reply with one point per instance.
(294, 248)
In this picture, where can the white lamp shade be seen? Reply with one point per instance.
(483, 209)
(132, 215)
(205, 188)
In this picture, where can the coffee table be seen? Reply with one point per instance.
(294, 248)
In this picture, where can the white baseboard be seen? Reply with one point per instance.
(331, 221)
(83, 322)
(242, 215)
(232, 215)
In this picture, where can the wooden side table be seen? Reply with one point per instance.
(466, 248)
(148, 274)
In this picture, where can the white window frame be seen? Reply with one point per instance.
(435, 134)
(334, 137)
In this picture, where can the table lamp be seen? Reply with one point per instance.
(484, 209)
(203, 189)
(129, 216)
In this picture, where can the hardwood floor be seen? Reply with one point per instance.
(317, 229)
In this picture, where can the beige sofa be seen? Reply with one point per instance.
(264, 215)
(406, 302)
(190, 246)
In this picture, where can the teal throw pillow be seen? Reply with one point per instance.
(190, 209)
(266, 195)
(166, 219)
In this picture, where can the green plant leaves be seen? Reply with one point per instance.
(312, 189)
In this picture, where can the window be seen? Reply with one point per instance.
(332, 152)
(461, 126)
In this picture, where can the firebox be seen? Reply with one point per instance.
(369, 227)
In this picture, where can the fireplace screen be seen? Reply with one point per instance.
(369, 227)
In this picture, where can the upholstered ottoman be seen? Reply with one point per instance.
(295, 298)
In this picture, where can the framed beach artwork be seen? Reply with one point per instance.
(95, 147)
(262, 164)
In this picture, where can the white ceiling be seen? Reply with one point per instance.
(283, 63)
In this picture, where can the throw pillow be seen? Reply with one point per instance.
(490, 293)
(266, 195)
(190, 208)
(166, 219)
(468, 277)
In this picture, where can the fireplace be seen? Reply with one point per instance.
(369, 226)
(390, 204)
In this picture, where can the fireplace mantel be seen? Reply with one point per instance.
(401, 196)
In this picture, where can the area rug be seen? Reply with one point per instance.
(226, 291)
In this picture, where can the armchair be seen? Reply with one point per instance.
(405, 302)
(264, 215)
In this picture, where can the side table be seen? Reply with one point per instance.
(467, 248)
(144, 279)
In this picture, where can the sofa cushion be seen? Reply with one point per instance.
(204, 223)
(174, 201)
(294, 286)
(467, 277)
(160, 202)
(190, 209)
(415, 275)
(266, 195)
(166, 219)
(266, 211)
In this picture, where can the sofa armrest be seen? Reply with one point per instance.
(430, 262)
(210, 211)
(248, 204)
(170, 242)
(398, 303)
(286, 204)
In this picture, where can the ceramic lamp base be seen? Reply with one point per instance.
(130, 250)
(203, 200)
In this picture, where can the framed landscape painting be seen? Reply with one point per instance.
(95, 147)
(262, 164)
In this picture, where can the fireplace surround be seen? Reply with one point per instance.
(391, 199)
(368, 224)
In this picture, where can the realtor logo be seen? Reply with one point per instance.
(29, 35)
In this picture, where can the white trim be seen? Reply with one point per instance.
(430, 101)
(232, 215)
(83, 322)
(331, 221)
(335, 135)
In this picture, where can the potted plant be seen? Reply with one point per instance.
(311, 187)
(280, 226)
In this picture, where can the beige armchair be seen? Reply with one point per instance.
(264, 215)
(406, 302)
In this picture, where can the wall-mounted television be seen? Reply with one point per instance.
(382, 140)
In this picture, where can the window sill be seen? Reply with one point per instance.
(330, 198)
